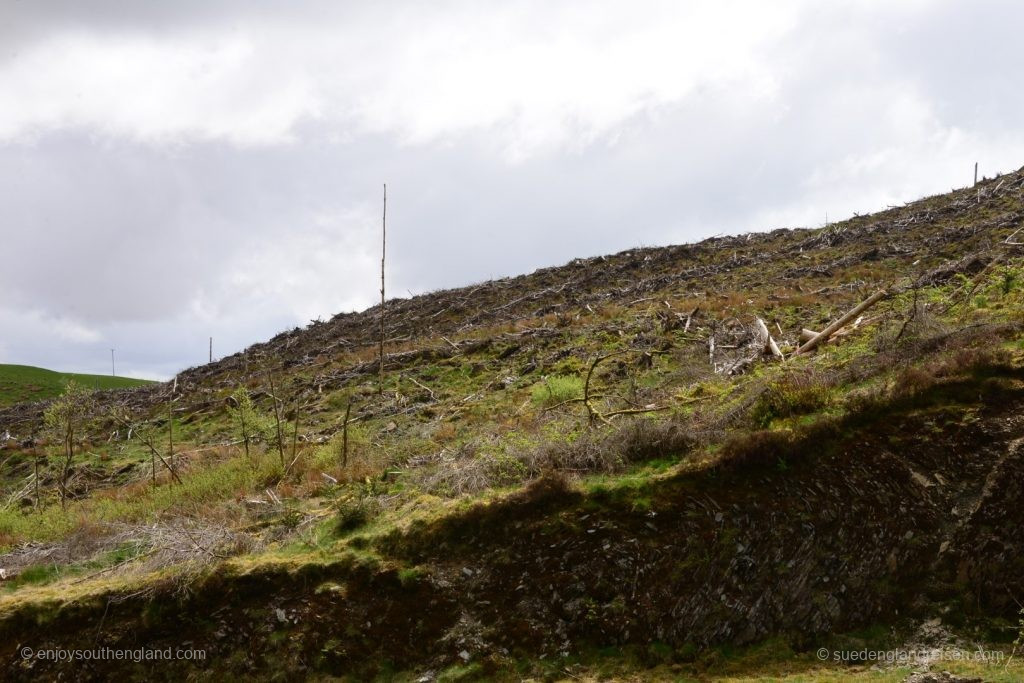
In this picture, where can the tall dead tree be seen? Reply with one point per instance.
(344, 434)
(170, 428)
(383, 252)
(146, 433)
(277, 418)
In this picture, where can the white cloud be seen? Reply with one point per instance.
(72, 331)
(327, 267)
(539, 76)
(155, 90)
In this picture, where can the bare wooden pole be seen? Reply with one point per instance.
(36, 475)
(112, 372)
(211, 349)
(383, 252)
(170, 429)
(975, 172)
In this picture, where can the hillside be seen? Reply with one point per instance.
(24, 383)
(594, 470)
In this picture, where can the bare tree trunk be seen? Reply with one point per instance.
(245, 432)
(383, 252)
(39, 507)
(156, 454)
(69, 454)
(277, 418)
(295, 429)
(344, 435)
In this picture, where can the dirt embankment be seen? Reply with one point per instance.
(853, 522)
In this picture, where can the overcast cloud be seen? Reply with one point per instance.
(171, 171)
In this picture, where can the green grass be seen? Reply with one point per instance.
(20, 383)
(557, 389)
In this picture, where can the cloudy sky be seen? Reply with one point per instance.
(171, 171)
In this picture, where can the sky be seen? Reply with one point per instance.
(175, 171)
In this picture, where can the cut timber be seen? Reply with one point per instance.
(769, 344)
(843, 320)
(807, 335)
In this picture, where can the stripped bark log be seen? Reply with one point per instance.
(842, 321)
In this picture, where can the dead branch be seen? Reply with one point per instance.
(689, 319)
(571, 400)
(422, 386)
(635, 411)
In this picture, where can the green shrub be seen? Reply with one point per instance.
(409, 576)
(504, 469)
(1010, 278)
(794, 394)
(554, 390)
(352, 514)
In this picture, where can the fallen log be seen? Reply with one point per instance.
(842, 321)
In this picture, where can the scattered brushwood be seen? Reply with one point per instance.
(588, 398)
(561, 391)
(93, 550)
(188, 545)
(735, 346)
(476, 467)
(637, 440)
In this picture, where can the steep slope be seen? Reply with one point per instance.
(596, 458)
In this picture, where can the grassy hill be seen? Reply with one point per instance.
(20, 383)
(595, 470)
